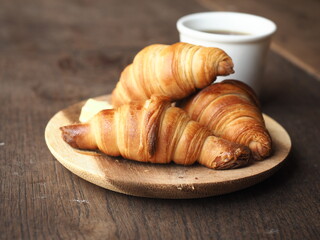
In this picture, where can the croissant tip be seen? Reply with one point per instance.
(240, 158)
(225, 67)
(69, 135)
(260, 151)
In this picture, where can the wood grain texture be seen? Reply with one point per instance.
(155, 180)
(56, 53)
(297, 37)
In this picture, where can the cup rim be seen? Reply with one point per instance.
(183, 29)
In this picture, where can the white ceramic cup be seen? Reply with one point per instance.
(247, 46)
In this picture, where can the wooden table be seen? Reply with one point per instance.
(56, 53)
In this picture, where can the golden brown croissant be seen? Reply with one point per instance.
(154, 131)
(174, 71)
(231, 110)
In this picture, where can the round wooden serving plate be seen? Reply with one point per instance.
(155, 180)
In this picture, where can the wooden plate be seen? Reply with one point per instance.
(155, 180)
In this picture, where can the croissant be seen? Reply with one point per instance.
(154, 131)
(231, 110)
(174, 71)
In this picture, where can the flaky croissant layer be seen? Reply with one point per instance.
(156, 132)
(174, 71)
(231, 110)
